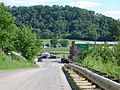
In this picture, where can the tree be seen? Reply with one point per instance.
(75, 35)
(46, 34)
(117, 53)
(7, 28)
(115, 31)
(92, 35)
(54, 42)
(64, 20)
(64, 43)
(26, 42)
(47, 45)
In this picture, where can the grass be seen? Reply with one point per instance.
(61, 51)
(14, 62)
(56, 50)
(109, 67)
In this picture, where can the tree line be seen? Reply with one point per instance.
(64, 22)
(19, 39)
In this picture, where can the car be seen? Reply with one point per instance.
(64, 60)
(44, 57)
(40, 58)
(52, 57)
(45, 54)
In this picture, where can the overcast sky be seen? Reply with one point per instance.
(109, 8)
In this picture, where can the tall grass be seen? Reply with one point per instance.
(103, 59)
(110, 68)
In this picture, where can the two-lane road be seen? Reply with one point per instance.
(48, 77)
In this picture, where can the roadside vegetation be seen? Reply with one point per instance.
(102, 58)
(14, 62)
(17, 39)
(31, 24)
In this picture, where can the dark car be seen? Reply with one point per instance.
(64, 60)
(40, 58)
(52, 57)
(44, 57)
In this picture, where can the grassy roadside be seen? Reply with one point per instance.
(109, 68)
(14, 62)
(102, 58)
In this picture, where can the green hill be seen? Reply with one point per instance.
(64, 22)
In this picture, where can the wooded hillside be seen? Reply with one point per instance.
(64, 22)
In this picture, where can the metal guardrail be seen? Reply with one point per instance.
(101, 81)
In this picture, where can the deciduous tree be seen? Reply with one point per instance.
(26, 42)
(7, 28)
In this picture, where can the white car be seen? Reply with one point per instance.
(45, 54)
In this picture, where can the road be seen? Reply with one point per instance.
(48, 77)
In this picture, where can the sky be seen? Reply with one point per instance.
(109, 8)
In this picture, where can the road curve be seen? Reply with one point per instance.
(48, 77)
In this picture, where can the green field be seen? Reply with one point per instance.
(45, 41)
(56, 50)
(62, 51)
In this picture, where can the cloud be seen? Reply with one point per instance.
(26, 2)
(113, 14)
(84, 4)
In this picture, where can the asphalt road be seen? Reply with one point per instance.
(48, 77)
